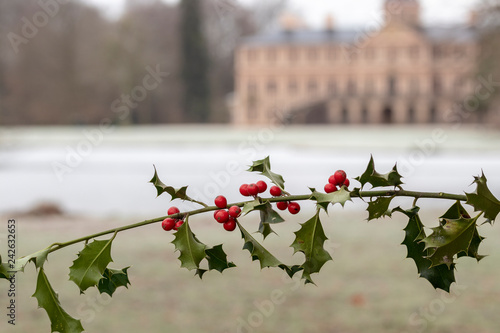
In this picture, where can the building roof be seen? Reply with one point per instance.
(455, 33)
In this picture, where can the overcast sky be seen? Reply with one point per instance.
(347, 13)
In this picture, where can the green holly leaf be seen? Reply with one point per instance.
(112, 279)
(47, 298)
(264, 168)
(217, 259)
(38, 258)
(439, 276)
(309, 239)
(483, 200)
(87, 270)
(324, 199)
(457, 211)
(451, 237)
(174, 193)
(192, 251)
(260, 253)
(267, 215)
(392, 178)
(379, 208)
(4, 270)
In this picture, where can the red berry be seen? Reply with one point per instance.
(234, 211)
(346, 182)
(332, 180)
(168, 224)
(230, 225)
(339, 176)
(178, 224)
(262, 186)
(275, 191)
(293, 207)
(215, 213)
(282, 205)
(244, 190)
(222, 216)
(173, 210)
(329, 188)
(253, 189)
(221, 201)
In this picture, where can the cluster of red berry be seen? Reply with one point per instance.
(293, 207)
(227, 217)
(171, 223)
(339, 178)
(251, 190)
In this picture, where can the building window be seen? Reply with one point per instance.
(271, 55)
(364, 115)
(351, 87)
(391, 86)
(370, 86)
(437, 85)
(392, 53)
(293, 54)
(459, 51)
(271, 87)
(252, 108)
(293, 87)
(414, 86)
(312, 87)
(332, 87)
(437, 52)
(252, 55)
(312, 54)
(411, 114)
(331, 53)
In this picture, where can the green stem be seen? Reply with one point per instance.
(362, 194)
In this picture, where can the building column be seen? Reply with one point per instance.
(400, 111)
(334, 111)
(422, 111)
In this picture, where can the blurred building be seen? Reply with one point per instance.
(394, 71)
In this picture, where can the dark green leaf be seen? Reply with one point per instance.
(439, 276)
(450, 238)
(88, 268)
(260, 253)
(264, 168)
(47, 298)
(392, 178)
(379, 208)
(309, 239)
(174, 193)
(192, 251)
(324, 199)
(200, 272)
(267, 215)
(217, 259)
(112, 279)
(483, 200)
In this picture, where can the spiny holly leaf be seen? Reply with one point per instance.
(174, 193)
(112, 279)
(324, 199)
(265, 229)
(260, 253)
(457, 211)
(192, 251)
(378, 208)
(309, 239)
(217, 259)
(439, 276)
(267, 215)
(483, 200)
(87, 270)
(47, 298)
(451, 237)
(392, 178)
(264, 167)
(38, 258)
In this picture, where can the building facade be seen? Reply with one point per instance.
(395, 71)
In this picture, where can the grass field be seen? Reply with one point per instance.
(369, 287)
